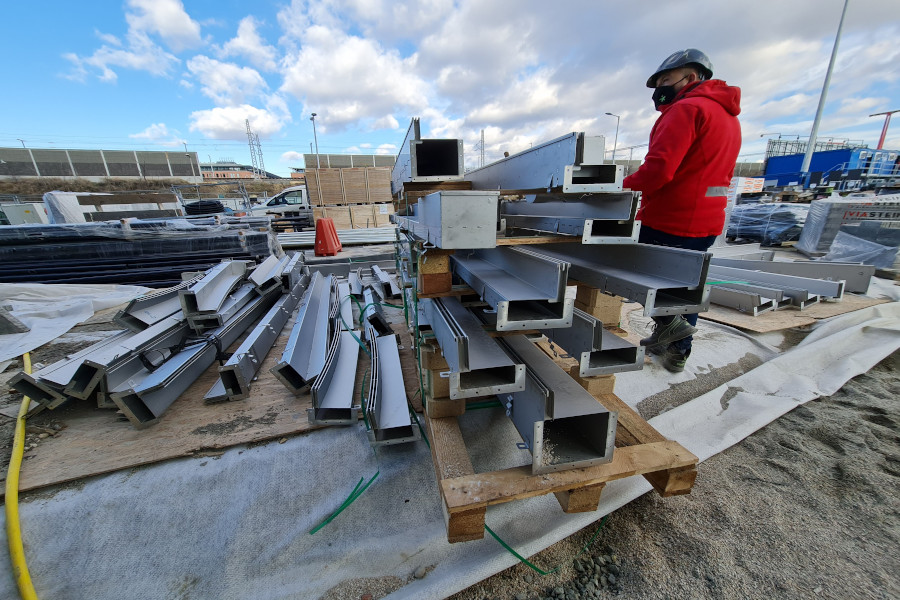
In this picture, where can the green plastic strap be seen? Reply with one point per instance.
(484, 404)
(532, 565)
(356, 493)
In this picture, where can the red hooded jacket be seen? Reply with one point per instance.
(694, 146)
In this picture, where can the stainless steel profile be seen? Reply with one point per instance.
(563, 426)
(455, 219)
(596, 218)
(572, 163)
(856, 276)
(145, 402)
(307, 347)
(208, 294)
(666, 281)
(388, 283)
(387, 410)
(528, 290)
(598, 351)
(239, 371)
(478, 365)
(152, 308)
(234, 302)
(332, 392)
(426, 160)
(267, 274)
(818, 287)
(747, 302)
(292, 272)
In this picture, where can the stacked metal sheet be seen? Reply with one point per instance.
(150, 253)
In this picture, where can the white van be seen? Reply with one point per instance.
(292, 199)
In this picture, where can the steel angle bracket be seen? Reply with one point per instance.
(666, 281)
(145, 402)
(237, 374)
(152, 308)
(208, 294)
(332, 392)
(387, 409)
(307, 347)
(599, 352)
(563, 425)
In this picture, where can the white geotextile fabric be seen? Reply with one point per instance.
(51, 310)
(237, 526)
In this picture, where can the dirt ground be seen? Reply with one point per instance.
(807, 507)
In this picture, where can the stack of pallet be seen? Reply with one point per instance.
(353, 197)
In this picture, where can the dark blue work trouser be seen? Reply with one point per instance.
(661, 238)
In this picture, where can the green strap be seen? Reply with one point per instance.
(356, 493)
(532, 565)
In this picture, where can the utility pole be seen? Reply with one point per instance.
(482, 148)
(313, 119)
(884, 130)
(807, 158)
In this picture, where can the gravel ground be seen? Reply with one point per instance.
(807, 507)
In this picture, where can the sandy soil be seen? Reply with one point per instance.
(807, 507)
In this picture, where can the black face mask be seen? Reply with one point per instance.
(664, 94)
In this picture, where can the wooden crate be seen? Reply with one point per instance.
(329, 185)
(378, 181)
(640, 450)
(383, 214)
(362, 216)
(354, 185)
(339, 214)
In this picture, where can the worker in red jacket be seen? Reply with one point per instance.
(694, 146)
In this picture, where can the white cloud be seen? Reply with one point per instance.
(347, 79)
(291, 157)
(227, 84)
(386, 122)
(228, 122)
(250, 45)
(159, 134)
(352, 150)
(166, 18)
(386, 149)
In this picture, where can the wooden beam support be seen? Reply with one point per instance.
(583, 499)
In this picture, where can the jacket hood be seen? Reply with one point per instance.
(728, 96)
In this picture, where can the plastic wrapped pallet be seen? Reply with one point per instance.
(827, 215)
(850, 248)
(771, 223)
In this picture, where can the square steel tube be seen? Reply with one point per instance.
(666, 281)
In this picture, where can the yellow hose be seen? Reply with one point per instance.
(13, 531)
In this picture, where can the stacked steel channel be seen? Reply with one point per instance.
(149, 253)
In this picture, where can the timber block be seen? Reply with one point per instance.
(605, 307)
(435, 261)
(585, 499)
(437, 386)
(437, 408)
(601, 384)
(432, 359)
(434, 283)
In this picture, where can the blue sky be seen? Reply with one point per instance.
(156, 74)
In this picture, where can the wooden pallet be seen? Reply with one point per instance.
(640, 450)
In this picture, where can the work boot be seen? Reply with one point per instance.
(674, 359)
(665, 333)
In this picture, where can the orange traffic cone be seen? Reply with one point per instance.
(327, 242)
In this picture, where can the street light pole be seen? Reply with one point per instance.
(616, 141)
(21, 140)
(313, 119)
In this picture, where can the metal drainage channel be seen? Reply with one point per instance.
(562, 425)
(528, 290)
(599, 352)
(387, 410)
(208, 294)
(147, 310)
(596, 218)
(666, 281)
(856, 276)
(307, 347)
(149, 398)
(236, 375)
(478, 365)
(455, 219)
